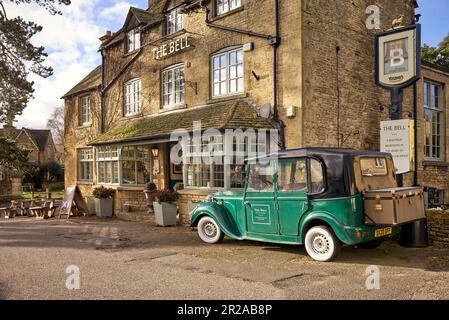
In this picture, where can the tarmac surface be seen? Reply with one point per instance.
(130, 260)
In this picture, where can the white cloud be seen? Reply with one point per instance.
(71, 41)
(116, 12)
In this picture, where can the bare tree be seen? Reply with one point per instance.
(56, 124)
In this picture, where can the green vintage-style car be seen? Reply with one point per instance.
(322, 198)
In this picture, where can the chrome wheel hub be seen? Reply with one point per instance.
(320, 244)
(210, 230)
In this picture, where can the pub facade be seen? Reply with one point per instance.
(300, 72)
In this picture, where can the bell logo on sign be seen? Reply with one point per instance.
(398, 54)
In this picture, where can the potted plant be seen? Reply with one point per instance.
(178, 186)
(104, 201)
(150, 192)
(165, 208)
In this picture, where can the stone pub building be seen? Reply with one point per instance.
(310, 62)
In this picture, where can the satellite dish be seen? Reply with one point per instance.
(265, 110)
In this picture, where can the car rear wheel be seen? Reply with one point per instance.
(209, 231)
(322, 244)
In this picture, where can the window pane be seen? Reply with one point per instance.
(261, 178)
(292, 175)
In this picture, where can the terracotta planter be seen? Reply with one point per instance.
(165, 213)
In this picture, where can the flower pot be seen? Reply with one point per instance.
(165, 213)
(104, 207)
(150, 195)
(90, 201)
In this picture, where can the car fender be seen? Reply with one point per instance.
(339, 229)
(221, 216)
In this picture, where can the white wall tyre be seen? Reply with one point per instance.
(321, 244)
(209, 231)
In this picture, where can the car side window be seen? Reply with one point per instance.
(292, 175)
(261, 178)
(316, 176)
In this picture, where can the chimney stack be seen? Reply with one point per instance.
(106, 37)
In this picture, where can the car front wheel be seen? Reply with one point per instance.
(321, 244)
(209, 231)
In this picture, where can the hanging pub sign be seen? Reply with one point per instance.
(398, 57)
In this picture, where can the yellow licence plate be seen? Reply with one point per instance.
(383, 232)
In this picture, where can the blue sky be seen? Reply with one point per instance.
(434, 20)
(71, 41)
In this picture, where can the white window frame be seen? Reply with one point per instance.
(225, 74)
(136, 159)
(132, 91)
(174, 21)
(132, 40)
(85, 110)
(85, 158)
(108, 157)
(225, 6)
(173, 86)
(434, 107)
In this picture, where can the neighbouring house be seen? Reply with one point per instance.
(39, 143)
(171, 65)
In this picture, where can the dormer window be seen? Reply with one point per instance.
(224, 6)
(132, 40)
(174, 21)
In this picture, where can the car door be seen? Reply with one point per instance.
(292, 189)
(259, 202)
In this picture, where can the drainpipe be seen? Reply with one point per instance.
(274, 41)
(103, 76)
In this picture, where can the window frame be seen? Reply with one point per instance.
(112, 160)
(133, 40)
(434, 112)
(172, 70)
(87, 114)
(219, 5)
(136, 160)
(90, 161)
(227, 52)
(127, 104)
(178, 24)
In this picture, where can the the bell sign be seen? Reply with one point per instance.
(398, 57)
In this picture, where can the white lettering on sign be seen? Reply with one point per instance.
(170, 48)
(396, 137)
(397, 57)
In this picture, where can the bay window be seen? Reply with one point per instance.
(85, 164)
(227, 73)
(108, 164)
(223, 6)
(433, 121)
(174, 21)
(136, 165)
(132, 93)
(212, 163)
(173, 86)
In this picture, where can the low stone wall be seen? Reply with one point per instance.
(438, 226)
(187, 197)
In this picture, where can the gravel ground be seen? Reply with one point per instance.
(130, 260)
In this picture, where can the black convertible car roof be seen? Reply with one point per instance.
(338, 166)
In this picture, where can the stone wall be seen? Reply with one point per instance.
(438, 226)
(187, 197)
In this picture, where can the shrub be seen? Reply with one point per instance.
(151, 186)
(103, 193)
(166, 196)
(178, 186)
